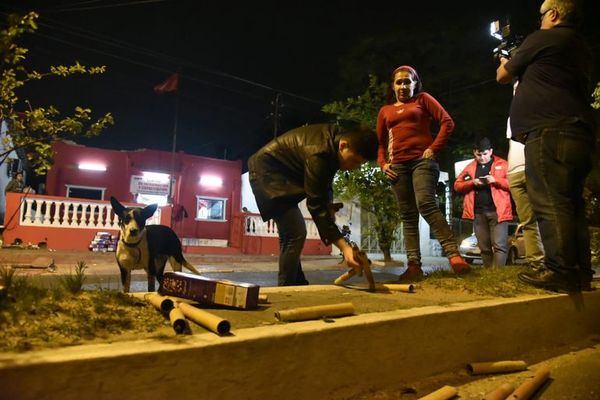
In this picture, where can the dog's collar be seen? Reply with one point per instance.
(136, 243)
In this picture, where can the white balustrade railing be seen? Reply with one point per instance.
(83, 214)
(255, 226)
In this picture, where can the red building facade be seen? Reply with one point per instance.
(201, 202)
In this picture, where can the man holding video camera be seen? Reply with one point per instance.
(487, 202)
(551, 114)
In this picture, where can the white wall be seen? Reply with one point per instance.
(249, 201)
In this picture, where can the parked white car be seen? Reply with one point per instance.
(469, 250)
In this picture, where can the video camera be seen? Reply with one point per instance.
(508, 41)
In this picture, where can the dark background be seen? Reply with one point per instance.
(235, 58)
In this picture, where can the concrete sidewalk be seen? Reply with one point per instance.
(393, 339)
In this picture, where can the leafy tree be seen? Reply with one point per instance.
(34, 129)
(592, 184)
(368, 184)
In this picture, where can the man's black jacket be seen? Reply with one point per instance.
(299, 164)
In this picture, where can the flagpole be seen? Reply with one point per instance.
(172, 175)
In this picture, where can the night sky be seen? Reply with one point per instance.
(235, 57)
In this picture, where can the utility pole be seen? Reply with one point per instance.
(276, 106)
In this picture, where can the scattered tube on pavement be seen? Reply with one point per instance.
(397, 287)
(496, 367)
(209, 321)
(444, 393)
(177, 320)
(315, 312)
(531, 384)
(161, 303)
(500, 393)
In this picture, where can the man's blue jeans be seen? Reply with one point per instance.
(558, 159)
(415, 190)
(292, 234)
(492, 238)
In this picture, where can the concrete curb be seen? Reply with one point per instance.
(301, 360)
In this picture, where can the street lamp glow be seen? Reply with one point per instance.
(91, 167)
(211, 181)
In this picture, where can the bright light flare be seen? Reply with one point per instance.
(211, 181)
(92, 167)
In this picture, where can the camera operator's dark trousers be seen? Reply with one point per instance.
(558, 159)
(292, 234)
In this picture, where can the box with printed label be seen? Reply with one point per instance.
(210, 291)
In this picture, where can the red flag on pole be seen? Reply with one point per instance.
(170, 85)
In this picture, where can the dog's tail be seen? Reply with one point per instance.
(184, 263)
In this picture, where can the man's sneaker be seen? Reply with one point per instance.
(550, 280)
(413, 273)
(459, 265)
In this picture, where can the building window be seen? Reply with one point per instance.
(85, 192)
(210, 208)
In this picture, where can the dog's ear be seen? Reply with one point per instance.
(118, 207)
(149, 211)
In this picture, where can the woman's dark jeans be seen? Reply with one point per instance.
(558, 160)
(292, 234)
(415, 190)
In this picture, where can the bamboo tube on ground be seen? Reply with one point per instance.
(500, 393)
(344, 277)
(315, 312)
(161, 303)
(496, 367)
(263, 298)
(531, 384)
(397, 287)
(209, 321)
(177, 320)
(444, 393)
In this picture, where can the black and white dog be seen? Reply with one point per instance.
(146, 247)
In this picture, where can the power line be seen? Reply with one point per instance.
(131, 3)
(109, 41)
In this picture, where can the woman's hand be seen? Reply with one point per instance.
(389, 172)
(429, 154)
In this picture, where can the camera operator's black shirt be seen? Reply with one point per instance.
(553, 67)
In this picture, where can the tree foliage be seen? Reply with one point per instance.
(34, 129)
(368, 184)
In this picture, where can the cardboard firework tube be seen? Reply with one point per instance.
(397, 287)
(209, 321)
(531, 385)
(344, 277)
(263, 298)
(177, 320)
(315, 312)
(500, 393)
(444, 393)
(496, 367)
(161, 303)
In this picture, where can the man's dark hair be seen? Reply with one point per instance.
(363, 141)
(482, 144)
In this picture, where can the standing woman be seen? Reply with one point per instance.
(407, 152)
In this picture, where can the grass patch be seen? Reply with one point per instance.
(73, 282)
(32, 317)
(497, 282)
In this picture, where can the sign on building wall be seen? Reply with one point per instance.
(140, 184)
